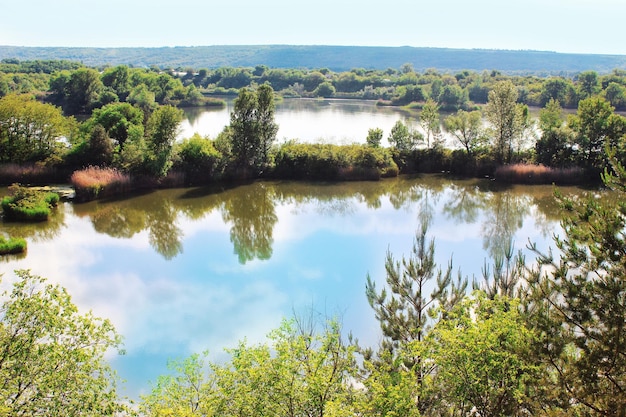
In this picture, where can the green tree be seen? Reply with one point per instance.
(252, 129)
(243, 127)
(374, 136)
(266, 125)
(467, 128)
(430, 123)
(588, 84)
(300, 372)
(483, 353)
(162, 129)
(551, 116)
(325, 89)
(401, 138)
(596, 126)
(51, 356)
(615, 94)
(120, 120)
(452, 97)
(578, 306)
(407, 312)
(99, 148)
(118, 79)
(82, 91)
(30, 131)
(504, 116)
(199, 159)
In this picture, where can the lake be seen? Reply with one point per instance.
(186, 270)
(335, 121)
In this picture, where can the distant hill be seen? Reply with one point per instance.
(336, 58)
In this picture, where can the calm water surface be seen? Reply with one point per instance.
(186, 270)
(309, 120)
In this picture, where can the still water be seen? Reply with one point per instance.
(188, 270)
(309, 120)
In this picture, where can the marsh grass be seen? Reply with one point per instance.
(25, 204)
(11, 245)
(94, 182)
(539, 174)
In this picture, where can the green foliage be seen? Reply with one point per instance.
(578, 305)
(467, 128)
(418, 294)
(122, 122)
(11, 245)
(325, 89)
(332, 162)
(161, 131)
(506, 118)
(596, 126)
(252, 129)
(402, 139)
(374, 137)
(483, 353)
(29, 130)
(52, 357)
(199, 159)
(24, 204)
(430, 123)
(300, 371)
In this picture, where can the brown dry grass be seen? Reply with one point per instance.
(539, 174)
(93, 182)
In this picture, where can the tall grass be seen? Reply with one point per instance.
(93, 182)
(539, 174)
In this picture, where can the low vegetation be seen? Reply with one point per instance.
(24, 204)
(538, 174)
(11, 245)
(93, 182)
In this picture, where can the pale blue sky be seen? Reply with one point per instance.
(579, 26)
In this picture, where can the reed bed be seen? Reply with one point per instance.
(95, 182)
(539, 174)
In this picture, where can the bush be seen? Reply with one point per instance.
(10, 245)
(198, 159)
(25, 204)
(333, 162)
(93, 182)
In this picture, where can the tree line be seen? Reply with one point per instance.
(129, 120)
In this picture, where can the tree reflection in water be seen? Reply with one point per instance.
(250, 210)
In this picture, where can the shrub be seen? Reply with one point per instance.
(93, 182)
(199, 159)
(25, 204)
(333, 162)
(11, 245)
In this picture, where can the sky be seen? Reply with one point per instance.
(571, 26)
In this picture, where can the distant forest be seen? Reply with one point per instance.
(335, 58)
